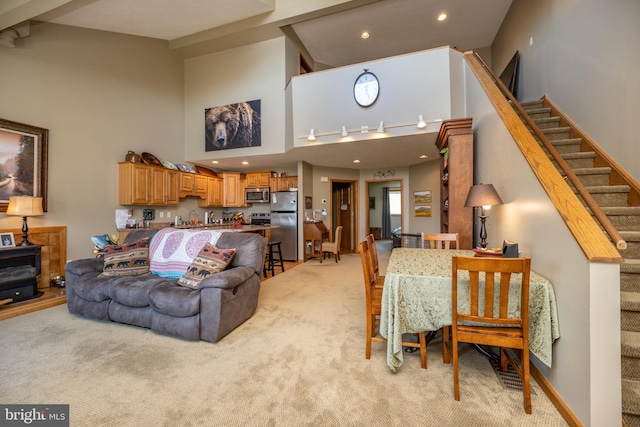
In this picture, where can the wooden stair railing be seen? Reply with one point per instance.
(619, 242)
(619, 176)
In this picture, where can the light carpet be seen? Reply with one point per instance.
(299, 361)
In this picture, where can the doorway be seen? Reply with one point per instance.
(344, 212)
(378, 213)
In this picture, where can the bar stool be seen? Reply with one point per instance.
(270, 259)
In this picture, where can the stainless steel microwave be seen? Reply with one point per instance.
(256, 195)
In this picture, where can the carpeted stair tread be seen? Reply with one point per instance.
(608, 189)
(592, 171)
(622, 210)
(531, 104)
(630, 301)
(579, 155)
(630, 343)
(630, 266)
(631, 396)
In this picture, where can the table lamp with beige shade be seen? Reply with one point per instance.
(25, 206)
(482, 196)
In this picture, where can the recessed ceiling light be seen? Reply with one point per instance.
(364, 35)
(356, 161)
(442, 17)
(215, 162)
(423, 156)
(245, 163)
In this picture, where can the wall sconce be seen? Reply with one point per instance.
(381, 127)
(344, 131)
(25, 206)
(421, 122)
(483, 196)
(312, 135)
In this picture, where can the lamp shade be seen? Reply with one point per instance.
(25, 206)
(482, 195)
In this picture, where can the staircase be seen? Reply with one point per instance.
(619, 203)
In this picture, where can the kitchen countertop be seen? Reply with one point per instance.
(229, 226)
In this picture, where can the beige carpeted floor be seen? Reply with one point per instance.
(299, 361)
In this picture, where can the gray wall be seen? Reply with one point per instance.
(585, 57)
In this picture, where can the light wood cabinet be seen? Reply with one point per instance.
(258, 179)
(214, 193)
(283, 183)
(135, 184)
(193, 185)
(455, 143)
(164, 187)
(147, 185)
(231, 195)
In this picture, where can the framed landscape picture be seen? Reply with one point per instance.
(23, 162)
(424, 210)
(422, 197)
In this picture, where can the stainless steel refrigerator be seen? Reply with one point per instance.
(284, 214)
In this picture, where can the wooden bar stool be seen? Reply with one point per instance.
(273, 249)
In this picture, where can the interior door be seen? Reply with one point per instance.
(344, 209)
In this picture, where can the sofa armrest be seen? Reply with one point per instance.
(228, 279)
(82, 266)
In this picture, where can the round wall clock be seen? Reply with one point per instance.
(366, 89)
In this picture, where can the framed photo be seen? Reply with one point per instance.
(424, 210)
(23, 162)
(422, 197)
(7, 240)
(372, 202)
(307, 202)
(233, 126)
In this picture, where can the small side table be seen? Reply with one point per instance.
(20, 269)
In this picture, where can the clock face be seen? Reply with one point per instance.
(366, 89)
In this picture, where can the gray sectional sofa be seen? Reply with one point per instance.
(221, 303)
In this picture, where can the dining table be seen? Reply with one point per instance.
(417, 298)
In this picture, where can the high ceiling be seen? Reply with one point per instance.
(331, 34)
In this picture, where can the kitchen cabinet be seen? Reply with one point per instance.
(258, 179)
(455, 143)
(135, 184)
(283, 183)
(214, 193)
(232, 193)
(193, 185)
(142, 184)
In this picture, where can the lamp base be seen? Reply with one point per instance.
(25, 233)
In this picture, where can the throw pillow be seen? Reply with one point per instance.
(210, 260)
(131, 263)
(125, 247)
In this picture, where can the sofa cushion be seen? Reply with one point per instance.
(134, 292)
(169, 298)
(172, 250)
(210, 260)
(130, 263)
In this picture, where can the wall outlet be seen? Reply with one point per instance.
(168, 214)
(161, 214)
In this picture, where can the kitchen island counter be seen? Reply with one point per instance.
(263, 229)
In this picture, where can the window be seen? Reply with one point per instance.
(395, 202)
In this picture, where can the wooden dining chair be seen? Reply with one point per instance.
(373, 292)
(373, 253)
(440, 240)
(489, 281)
(328, 248)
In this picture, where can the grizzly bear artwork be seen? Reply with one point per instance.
(232, 126)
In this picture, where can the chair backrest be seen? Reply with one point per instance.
(367, 270)
(338, 238)
(440, 240)
(373, 252)
(483, 272)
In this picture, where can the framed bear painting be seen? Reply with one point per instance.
(233, 126)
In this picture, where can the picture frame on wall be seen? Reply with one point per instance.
(422, 210)
(307, 202)
(24, 162)
(422, 197)
(230, 126)
(372, 202)
(7, 240)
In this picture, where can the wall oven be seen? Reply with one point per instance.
(256, 195)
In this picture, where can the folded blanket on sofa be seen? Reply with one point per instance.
(172, 250)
